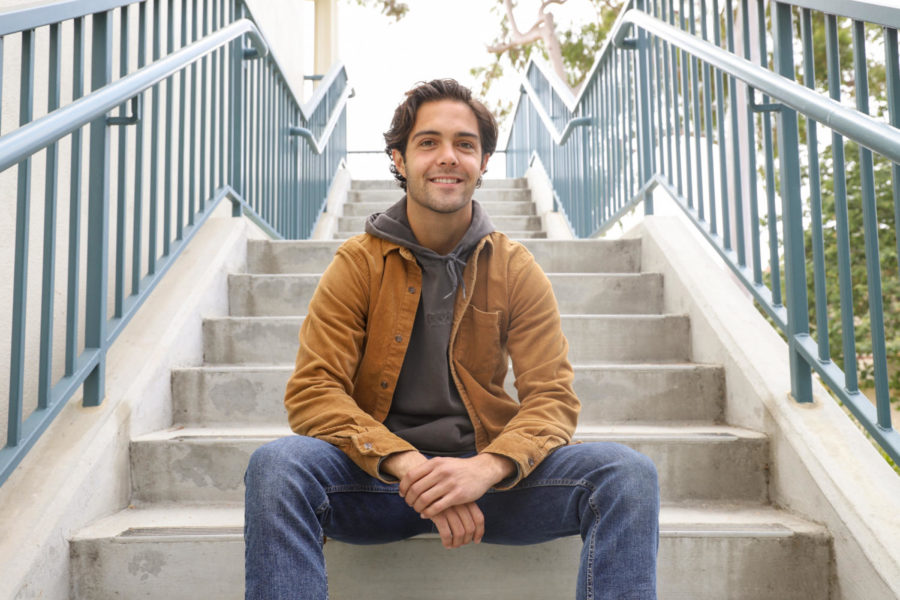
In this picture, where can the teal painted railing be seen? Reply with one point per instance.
(201, 118)
(670, 102)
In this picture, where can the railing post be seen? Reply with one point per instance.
(237, 111)
(98, 215)
(643, 104)
(792, 211)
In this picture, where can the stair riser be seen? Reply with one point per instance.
(494, 209)
(262, 295)
(212, 470)
(591, 339)
(691, 567)
(218, 398)
(486, 194)
(554, 256)
(505, 223)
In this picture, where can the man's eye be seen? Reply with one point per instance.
(427, 143)
(467, 145)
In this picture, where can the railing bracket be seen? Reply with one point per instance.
(251, 54)
(628, 44)
(131, 119)
(762, 108)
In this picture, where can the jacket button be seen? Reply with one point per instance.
(398, 338)
(530, 462)
(384, 385)
(367, 446)
(412, 290)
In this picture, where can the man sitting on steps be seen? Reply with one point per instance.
(398, 394)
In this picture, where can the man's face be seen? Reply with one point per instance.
(443, 157)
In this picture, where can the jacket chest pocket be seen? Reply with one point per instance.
(478, 344)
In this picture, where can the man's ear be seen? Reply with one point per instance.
(484, 162)
(398, 161)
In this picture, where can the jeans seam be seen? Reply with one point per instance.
(340, 489)
(590, 571)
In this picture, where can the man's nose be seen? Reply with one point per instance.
(447, 156)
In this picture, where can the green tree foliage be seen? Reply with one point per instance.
(390, 8)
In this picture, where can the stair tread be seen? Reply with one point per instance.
(649, 366)
(190, 521)
(706, 432)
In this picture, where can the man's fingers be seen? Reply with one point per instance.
(457, 528)
(443, 528)
(477, 519)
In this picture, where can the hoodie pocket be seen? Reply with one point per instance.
(478, 341)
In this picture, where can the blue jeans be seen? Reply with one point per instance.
(300, 489)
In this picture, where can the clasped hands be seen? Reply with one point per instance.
(444, 489)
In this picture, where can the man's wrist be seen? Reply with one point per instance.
(498, 467)
(398, 464)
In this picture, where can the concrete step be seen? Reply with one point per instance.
(494, 209)
(592, 339)
(514, 235)
(504, 223)
(615, 393)
(579, 293)
(491, 194)
(391, 184)
(695, 462)
(706, 553)
(554, 256)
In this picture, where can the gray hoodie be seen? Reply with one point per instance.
(426, 409)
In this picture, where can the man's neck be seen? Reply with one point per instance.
(440, 232)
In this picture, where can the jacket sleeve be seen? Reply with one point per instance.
(319, 394)
(539, 351)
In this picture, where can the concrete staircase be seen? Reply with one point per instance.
(721, 538)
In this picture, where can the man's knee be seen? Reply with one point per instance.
(277, 462)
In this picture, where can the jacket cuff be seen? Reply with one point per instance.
(368, 449)
(526, 454)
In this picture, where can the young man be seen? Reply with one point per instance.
(398, 394)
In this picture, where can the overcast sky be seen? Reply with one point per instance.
(437, 38)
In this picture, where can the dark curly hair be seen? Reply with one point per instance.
(397, 136)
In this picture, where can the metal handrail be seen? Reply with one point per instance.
(32, 17)
(875, 135)
(39, 134)
(664, 82)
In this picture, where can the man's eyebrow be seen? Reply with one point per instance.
(467, 134)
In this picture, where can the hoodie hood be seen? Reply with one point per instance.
(392, 225)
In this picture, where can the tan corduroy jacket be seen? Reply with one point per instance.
(355, 336)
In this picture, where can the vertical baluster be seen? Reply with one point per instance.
(182, 126)
(870, 223)
(1, 84)
(20, 274)
(72, 281)
(237, 113)
(708, 102)
(192, 142)
(791, 210)
(121, 206)
(214, 99)
(259, 154)
(154, 126)
(169, 149)
(841, 218)
(205, 168)
(98, 214)
(50, 197)
(698, 124)
(892, 75)
(668, 99)
(628, 76)
(673, 57)
(225, 101)
(686, 100)
(815, 199)
(751, 161)
(138, 221)
(720, 134)
(771, 214)
(251, 131)
(738, 151)
(645, 107)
